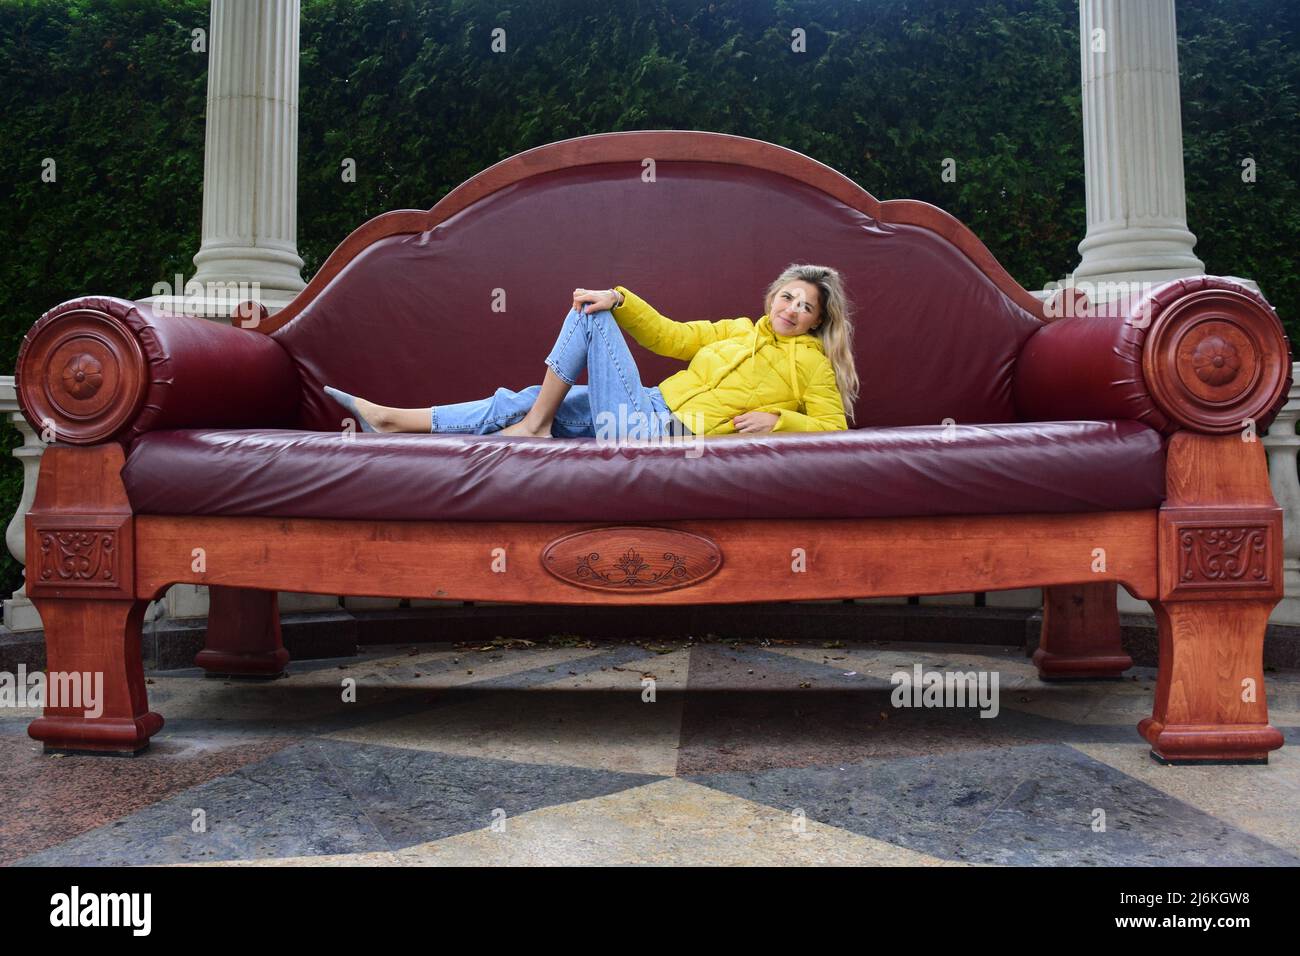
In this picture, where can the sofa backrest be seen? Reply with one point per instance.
(419, 308)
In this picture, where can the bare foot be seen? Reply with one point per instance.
(523, 428)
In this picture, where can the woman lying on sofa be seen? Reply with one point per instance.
(793, 370)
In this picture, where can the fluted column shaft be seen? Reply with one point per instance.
(1133, 145)
(250, 163)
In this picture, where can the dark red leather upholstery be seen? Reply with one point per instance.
(1086, 368)
(1091, 367)
(984, 469)
(200, 373)
(206, 374)
(410, 322)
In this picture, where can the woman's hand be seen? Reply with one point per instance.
(755, 423)
(599, 299)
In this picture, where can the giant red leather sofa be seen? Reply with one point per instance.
(996, 445)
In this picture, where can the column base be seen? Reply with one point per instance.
(219, 307)
(20, 613)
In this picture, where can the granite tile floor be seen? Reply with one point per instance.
(701, 752)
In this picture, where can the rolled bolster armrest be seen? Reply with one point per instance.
(1204, 354)
(96, 369)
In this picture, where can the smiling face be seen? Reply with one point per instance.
(796, 308)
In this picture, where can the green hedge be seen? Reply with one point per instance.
(410, 89)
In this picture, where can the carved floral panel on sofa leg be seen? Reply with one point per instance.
(81, 578)
(1080, 633)
(243, 638)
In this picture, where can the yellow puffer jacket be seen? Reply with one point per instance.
(737, 366)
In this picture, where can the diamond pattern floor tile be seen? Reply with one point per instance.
(773, 752)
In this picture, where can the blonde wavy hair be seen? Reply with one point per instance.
(836, 330)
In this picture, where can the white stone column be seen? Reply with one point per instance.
(249, 247)
(1133, 146)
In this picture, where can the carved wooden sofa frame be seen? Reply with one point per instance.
(1208, 560)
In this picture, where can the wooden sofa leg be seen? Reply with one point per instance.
(1210, 704)
(92, 650)
(80, 576)
(1080, 634)
(1220, 576)
(243, 634)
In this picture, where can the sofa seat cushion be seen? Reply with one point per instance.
(1069, 466)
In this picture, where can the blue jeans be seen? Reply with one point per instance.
(613, 404)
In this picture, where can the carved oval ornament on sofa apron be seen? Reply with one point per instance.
(631, 559)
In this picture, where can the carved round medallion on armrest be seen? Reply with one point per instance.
(1215, 354)
(81, 376)
(100, 368)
